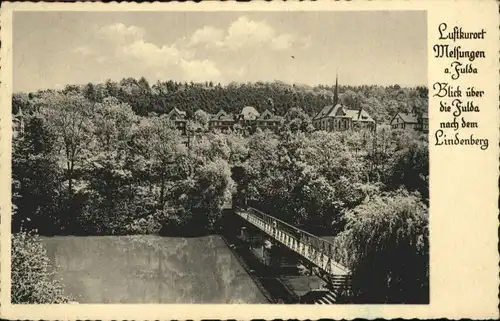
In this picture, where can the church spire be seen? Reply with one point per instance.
(336, 94)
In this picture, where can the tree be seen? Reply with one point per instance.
(163, 145)
(36, 192)
(296, 119)
(92, 93)
(201, 118)
(386, 239)
(70, 116)
(210, 147)
(203, 197)
(112, 194)
(20, 101)
(350, 99)
(410, 167)
(114, 124)
(121, 166)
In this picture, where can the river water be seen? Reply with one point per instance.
(150, 269)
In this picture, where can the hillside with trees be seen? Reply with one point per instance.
(104, 160)
(381, 102)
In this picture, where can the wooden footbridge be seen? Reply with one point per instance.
(317, 251)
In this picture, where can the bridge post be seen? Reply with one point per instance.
(310, 267)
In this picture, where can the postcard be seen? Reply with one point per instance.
(260, 160)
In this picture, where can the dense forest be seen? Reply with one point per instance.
(381, 102)
(103, 159)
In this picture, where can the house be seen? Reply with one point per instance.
(423, 122)
(248, 116)
(267, 120)
(332, 118)
(337, 117)
(361, 120)
(178, 117)
(18, 123)
(221, 121)
(406, 121)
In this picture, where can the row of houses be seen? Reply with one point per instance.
(249, 117)
(334, 117)
(330, 118)
(337, 117)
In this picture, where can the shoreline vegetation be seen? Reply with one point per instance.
(102, 159)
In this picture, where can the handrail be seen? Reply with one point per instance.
(325, 247)
(293, 227)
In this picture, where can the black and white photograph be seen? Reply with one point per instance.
(223, 157)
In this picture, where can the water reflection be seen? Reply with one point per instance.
(150, 269)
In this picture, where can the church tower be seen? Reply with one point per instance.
(336, 92)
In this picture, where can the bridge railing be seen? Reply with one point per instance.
(317, 250)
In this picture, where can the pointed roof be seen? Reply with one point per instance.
(219, 114)
(337, 111)
(323, 112)
(249, 113)
(269, 116)
(265, 114)
(407, 118)
(331, 111)
(362, 116)
(177, 111)
(222, 115)
(336, 93)
(19, 112)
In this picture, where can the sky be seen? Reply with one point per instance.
(53, 49)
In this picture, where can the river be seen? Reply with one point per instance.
(150, 269)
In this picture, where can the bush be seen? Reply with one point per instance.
(145, 225)
(31, 273)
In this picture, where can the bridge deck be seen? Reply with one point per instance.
(313, 248)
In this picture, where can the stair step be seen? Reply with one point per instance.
(331, 297)
(323, 301)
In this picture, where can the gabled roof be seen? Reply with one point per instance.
(177, 111)
(201, 110)
(219, 114)
(222, 115)
(331, 111)
(337, 111)
(269, 116)
(249, 113)
(19, 112)
(323, 112)
(265, 114)
(407, 118)
(357, 116)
